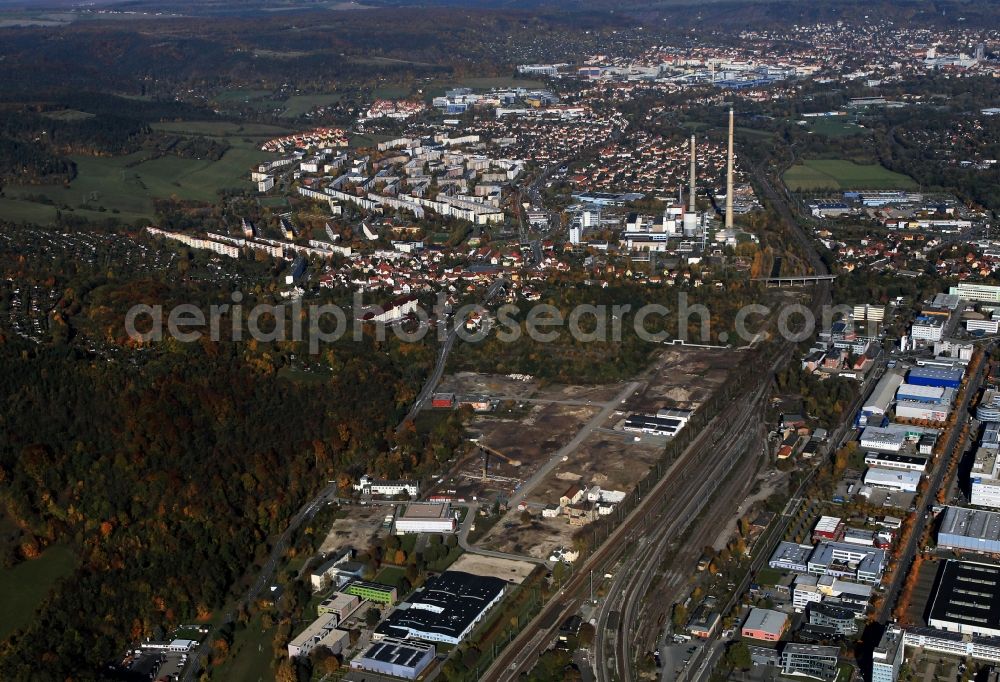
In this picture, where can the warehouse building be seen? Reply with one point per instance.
(765, 625)
(925, 394)
(894, 460)
(405, 658)
(917, 411)
(653, 425)
(970, 529)
(880, 399)
(893, 479)
(426, 518)
(445, 609)
(810, 660)
(828, 528)
(967, 600)
(935, 376)
(883, 440)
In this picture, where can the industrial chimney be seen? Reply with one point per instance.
(691, 206)
(729, 175)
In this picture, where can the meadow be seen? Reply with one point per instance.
(841, 174)
(125, 186)
(24, 587)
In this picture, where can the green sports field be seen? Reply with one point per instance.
(840, 174)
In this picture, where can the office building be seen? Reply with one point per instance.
(888, 656)
(985, 479)
(928, 328)
(839, 619)
(842, 560)
(376, 592)
(988, 409)
(984, 293)
(970, 529)
(340, 604)
(893, 460)
(321, 633)
(790, 556)
(967, 600)
(404, 658)
(810, 660)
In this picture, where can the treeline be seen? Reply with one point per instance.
(26, 163)
(167, 479)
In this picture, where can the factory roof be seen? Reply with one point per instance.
(893, 477)
(427, 511)
(968, 593)
(884, 392)
(936, 373)
(971, 523)
(917, 390)
(827, 524)
(446, 605)
(402, 652)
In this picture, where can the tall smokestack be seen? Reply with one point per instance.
(691, 206)
(729, 175)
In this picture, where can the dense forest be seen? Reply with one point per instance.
(166, 479)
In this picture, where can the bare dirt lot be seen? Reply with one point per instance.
(684, 378)
(536, 539)
(611, 461)
(355, 528)
(504, 387)
(505, 569)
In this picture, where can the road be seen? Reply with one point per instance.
(266, 573)
(442, 359)
(934, 484)
(569, 448)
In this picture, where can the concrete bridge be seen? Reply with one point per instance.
(799, 280)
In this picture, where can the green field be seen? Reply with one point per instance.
(221, 129)
(298, 105)
(251, 655)
(391, 575)
(835, 127)
(24, 587)
(840, 174)
(128, 184)
(768, 576)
